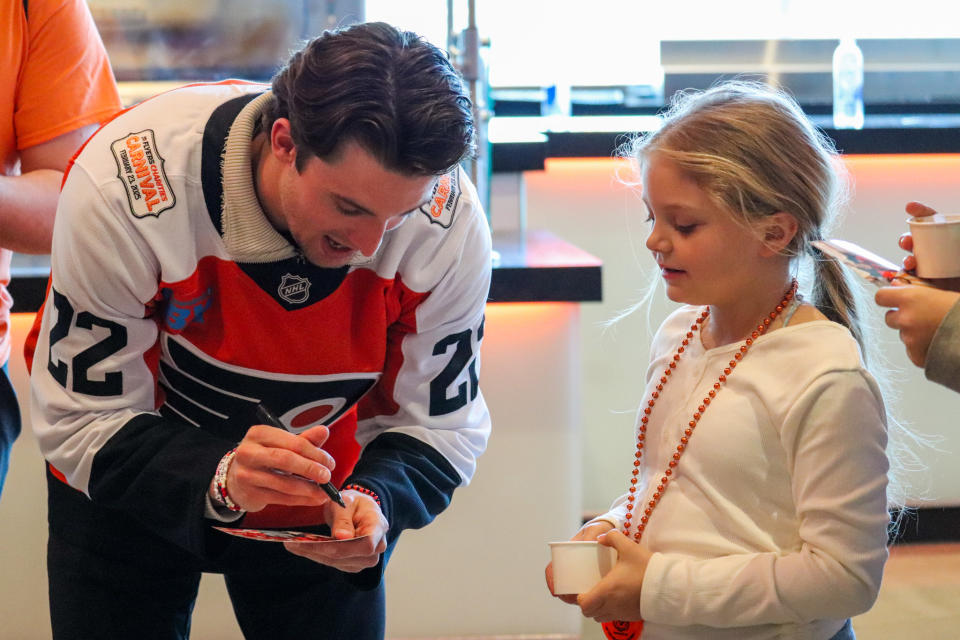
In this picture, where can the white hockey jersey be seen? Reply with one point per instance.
(174, 308)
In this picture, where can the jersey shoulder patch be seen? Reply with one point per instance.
(443, 202)
(140, 169)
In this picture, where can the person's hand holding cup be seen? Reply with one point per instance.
(934, 241)
(917, 312)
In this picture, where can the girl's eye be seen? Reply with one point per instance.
(686, 229)
(649, 218)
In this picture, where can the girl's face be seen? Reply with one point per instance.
(705, 255)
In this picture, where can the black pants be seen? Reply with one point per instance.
(9, 422)
(112, 579)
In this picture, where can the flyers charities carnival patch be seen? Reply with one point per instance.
(443, 202)
(140, 169)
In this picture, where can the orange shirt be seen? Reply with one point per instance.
(55, 77)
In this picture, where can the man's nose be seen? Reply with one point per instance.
(368, 239)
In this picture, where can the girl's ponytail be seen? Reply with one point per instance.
(834, 296)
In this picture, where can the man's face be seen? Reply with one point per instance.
(341, 207)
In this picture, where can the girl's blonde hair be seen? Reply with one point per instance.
(755, 153)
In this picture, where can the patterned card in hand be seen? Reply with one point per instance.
(865, 264)
(275, 535)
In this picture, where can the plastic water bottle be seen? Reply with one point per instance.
(556, 105)
(848, 85)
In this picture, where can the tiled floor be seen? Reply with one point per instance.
(919, 598)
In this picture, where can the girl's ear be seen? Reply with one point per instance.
(776, 233)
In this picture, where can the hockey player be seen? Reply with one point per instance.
(311, 246)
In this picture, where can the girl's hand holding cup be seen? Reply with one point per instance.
(587, 533)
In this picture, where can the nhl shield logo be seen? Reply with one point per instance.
(294, 289)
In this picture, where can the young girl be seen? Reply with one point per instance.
(757, 505)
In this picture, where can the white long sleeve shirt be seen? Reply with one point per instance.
(774, 524)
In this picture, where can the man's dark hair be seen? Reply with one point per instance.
(390, 91)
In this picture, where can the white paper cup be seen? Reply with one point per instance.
(936, 245)
(579, 565)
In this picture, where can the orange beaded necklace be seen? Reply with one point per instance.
(618, 629)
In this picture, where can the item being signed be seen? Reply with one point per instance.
(277, 535)
(867, 265)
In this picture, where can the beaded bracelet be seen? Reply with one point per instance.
(364, 491)
(220, 482)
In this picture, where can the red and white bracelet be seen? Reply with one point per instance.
(220, 482)
(364, 491)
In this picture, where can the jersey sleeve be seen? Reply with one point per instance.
(834, 436)
(93, 373)
(426, 423)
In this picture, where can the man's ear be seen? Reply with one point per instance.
(776, 232)
(281, 141)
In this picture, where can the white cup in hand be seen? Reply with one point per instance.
(579, 564)
(936, 245)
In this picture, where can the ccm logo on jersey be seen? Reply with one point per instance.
(140, 169)
(443, 202)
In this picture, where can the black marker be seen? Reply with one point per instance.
(266, 417)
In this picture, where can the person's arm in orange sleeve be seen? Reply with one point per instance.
(64, 90)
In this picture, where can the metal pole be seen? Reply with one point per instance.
(474, 75)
